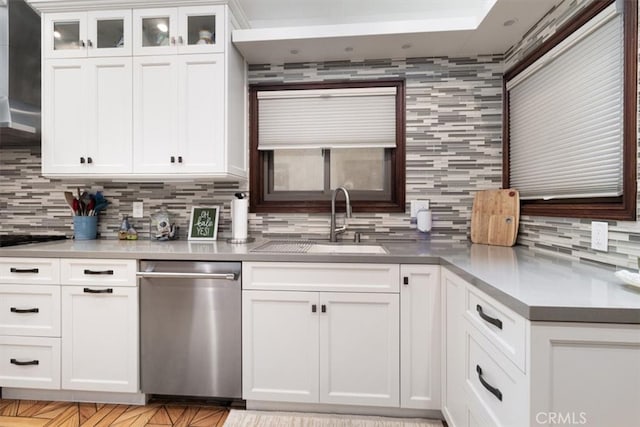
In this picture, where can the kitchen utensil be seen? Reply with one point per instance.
(75, 206)
(68, 196)
(495, 217)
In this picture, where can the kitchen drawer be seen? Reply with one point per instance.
(324, 277)
(30, 362)
(37, 271)
(503, 327)
(30, 310)
(503, 396)
(98, 272)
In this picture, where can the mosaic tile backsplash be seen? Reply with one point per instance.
(453, 149)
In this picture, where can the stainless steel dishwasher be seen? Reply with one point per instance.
(190, 326)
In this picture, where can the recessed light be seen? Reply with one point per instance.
(294, 51)
(406, 46)
(510, 22)
(348, 49)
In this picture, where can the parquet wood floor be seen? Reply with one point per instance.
(33, 413)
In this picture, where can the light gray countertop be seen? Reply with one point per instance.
(538, 286)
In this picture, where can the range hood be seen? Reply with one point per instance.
(19, 72)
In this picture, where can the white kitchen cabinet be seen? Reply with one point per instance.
(280, 346)
(359, 349)
(454, 406)
(181, 30)
(588, 374)
(308, 346)
(179, 105)
(420, 335)
(87, 116)
(100, 338)
(87, 34)
(315, 347)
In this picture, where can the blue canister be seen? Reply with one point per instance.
(85, 227)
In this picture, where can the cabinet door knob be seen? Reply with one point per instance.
(89, 43)
(180, 40)
(82, 160)
(173, 159)
(405, 280)
(314, 308)
(173, 40)
(179, 159)
(82, 43)
(323, 308)
(89, 160)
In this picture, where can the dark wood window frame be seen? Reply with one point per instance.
(613, 208)
(257, 159)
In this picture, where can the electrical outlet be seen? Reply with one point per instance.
(600, 236)
(416, 205)
(138, 211)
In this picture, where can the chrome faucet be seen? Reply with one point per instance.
(333, 232)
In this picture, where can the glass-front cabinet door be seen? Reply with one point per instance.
(65, 35)
(155, 31)
(201, 29)
(109, 33)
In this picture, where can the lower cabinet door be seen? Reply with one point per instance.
(100, 338)
(280, 346)
(359, 349)
(30, 362)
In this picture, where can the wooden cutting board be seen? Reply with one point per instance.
(495, 217)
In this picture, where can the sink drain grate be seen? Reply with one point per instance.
(285, 246)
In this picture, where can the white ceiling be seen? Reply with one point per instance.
(321, 30)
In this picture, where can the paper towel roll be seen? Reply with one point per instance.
(424, 220)
(239, 218)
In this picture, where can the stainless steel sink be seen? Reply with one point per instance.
(310, 247)
(346, 249)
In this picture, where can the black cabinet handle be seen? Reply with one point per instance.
(25, 310)
(107, 272)
(82, 160)
(98, 291)
(82, 43)
(89, 43)
(179, 159)
(492, 320)
(173, 159)
(89, 160)
(24, 270)
(496, 392)
(323, 308)
(405, 280)
(30, 362)
(314, 308)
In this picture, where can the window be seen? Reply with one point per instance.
(309, 138)
(570, 138)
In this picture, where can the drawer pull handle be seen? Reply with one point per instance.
(107, 272)
(98, 291)
(30, 362)
(25, 310)
(496, 322)
(496, 392)
(24, 270)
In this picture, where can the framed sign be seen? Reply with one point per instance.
(203, 222)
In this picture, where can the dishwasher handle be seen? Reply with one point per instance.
(169, 275)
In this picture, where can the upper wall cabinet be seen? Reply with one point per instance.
(135, 91)
(82, 34)
(196, 29)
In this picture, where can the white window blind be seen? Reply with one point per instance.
(566, 116)
(327, 118)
